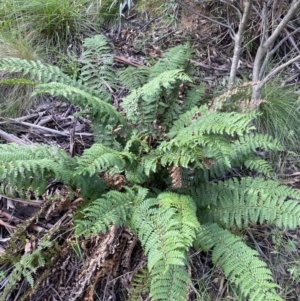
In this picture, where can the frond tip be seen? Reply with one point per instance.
(240, 263)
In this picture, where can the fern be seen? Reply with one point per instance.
(162, 144)
(140, 285)
(143, 106)
(114, 207)
(240, 263)
(176, 58)
(156, 102)
(133, 78)
(193, 97)
(238, 203)
(99, 158)
(166, 227)
(25, 267)
(35, 70)
(32, 167)
(169, 282)
(98, 109)
(97, 70)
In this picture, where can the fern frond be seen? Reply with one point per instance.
(31, 167)
(140, 285)
(259, 165)
(144, 105)
(193, 97)
(186, 119)
(185, 214)
(97, 66)
(25, 267)
(164, 228)
(169, 283)
(113, 208)
(100, 158)
(240, 263)
(133, 78)
(97, 108)
(176, 58)
(240, 202)
(35, 70)
(220, 123)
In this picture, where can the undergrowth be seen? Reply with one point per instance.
(187, 169)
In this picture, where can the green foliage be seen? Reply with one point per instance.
(237, 203)
(15, 98)
(139, 285)
(32, 167)
(133, 78)
(240, 263)
(280, 115)
(55, 21)
(25, 266)
(146, 105)
(35, 70)
(97, 70)
(96, 108)
(185, 169)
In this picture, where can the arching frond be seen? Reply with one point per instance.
(240, 263)
(240, 202)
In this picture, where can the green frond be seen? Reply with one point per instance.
(25, 267)
(240, 202)
(176, 58)
(167, 226)
(164, 228)
(185, 214)
(112, 208)
(259, 165)
(31, 167)
(193, 97)
(240, 263)
(95, 107)
(140, 285)
(169, 283)
(35, 70)
(97, 66)
(145, 105)
(18, 81)
(107, 133)
(220, 123)
(186, 119)
(99, 158)
(135, 174)
(249, 143)
(134, 77)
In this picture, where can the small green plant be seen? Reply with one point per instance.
(180, 191)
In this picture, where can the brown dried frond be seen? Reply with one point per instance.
(115, 181)
(176, 175)
(248, 105)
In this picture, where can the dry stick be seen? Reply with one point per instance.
(270, 53)
(238, 42)
(45, 129)
(265, 47)
(12, 138)
(275, 71)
